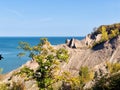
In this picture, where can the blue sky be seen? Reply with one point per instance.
(56, 17)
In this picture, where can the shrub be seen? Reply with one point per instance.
(106, 82)
(3, 86)
(62, 54)
(104, 34)
(113, 67)
(17, 86)
(108, 32)
(111, 80)
(26, 73)
(85, 75)
(69, 81)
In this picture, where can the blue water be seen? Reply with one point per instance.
(8, 49)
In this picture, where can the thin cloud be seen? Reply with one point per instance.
(47, 19)
(14, 12)
(40, 20)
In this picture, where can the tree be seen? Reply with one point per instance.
(49, 60)
(32, 50)
(104, 34)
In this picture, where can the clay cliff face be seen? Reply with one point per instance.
(97, 47)
(84, 56)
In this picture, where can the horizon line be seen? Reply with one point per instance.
(42, 36)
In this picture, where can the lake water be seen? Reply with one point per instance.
(8, 49)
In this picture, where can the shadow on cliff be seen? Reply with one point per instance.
(113, 43)
(98, 46)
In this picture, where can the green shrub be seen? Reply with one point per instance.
(111, 80)
(18, 86)
(62, 54)
(3, 86)
(72, 81)
(85, 75)
(113, 67)
(104, 34)
(106, 82)
(108, 32)
(26, 73)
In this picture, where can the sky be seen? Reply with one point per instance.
(56, 17)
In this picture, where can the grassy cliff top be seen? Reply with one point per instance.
(109, 28)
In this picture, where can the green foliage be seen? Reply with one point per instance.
(72, 81)
(114, 82)
(115, 32)
(25, 46)
(111, 80)
(77, 82)
(101, 84)
(62, 54)
(108, 32)
(18, 86)
(113, 67)
(108, 82)
(15, 86)
(26, 73)
(3, 86)
(48, 68)
(85, 75)
(104, 34)
(44, 41)
(21, 54)
(44, 74)
(33, 50)
(49, 61)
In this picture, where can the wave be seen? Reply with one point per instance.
(5, 53)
